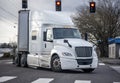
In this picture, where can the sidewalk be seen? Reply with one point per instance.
(113, 63)
(110, 61)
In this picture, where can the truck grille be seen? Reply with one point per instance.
(84, 61)
(83, 51)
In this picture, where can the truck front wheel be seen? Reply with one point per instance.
(24, 60)
(56, 64)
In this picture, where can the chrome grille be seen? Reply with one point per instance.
(83, 51)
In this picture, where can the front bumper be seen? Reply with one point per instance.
(73, 64)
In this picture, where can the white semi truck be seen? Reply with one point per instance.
(50, 40)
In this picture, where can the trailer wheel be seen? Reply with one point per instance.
(17, 60)
(56, 64)
(24, 60)
(88, 70)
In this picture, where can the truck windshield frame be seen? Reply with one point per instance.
(61, 33)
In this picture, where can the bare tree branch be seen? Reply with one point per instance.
(104, 24)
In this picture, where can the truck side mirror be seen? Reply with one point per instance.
(49, 38)
(44, 36)
(65, 41)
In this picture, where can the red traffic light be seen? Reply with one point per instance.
(58, 3)
(92, 7)
(92, 4)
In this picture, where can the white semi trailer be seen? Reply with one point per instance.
(50, 40)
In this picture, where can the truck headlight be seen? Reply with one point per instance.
(66, 54)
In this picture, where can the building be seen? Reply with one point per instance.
(114, 48)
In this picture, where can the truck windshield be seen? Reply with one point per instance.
(61, 33)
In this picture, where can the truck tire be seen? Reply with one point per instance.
(56, 64)
(13, 59)
(88, 70)
(24, 60)
(17, 60)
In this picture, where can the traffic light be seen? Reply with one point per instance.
(92, 7)
(24, 3)
(58, 5)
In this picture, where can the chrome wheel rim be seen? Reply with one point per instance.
(56, 63)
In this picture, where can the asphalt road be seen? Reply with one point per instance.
(9, 73)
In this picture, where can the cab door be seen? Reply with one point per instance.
(47, 47)
(48, 44)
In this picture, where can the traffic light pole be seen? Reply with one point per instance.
(86, 36)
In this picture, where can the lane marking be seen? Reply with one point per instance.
(82, 81)
(101, 64)
(43, 80)
(6, 61)
(116, 82)
(6, 78)
(9, 62)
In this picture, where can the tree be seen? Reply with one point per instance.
(103, 24)
(5, 45)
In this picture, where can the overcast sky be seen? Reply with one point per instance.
(9, 13)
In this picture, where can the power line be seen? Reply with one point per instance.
(6, 21)
(8, 12)
(5, 17)
(19, 2)
(14, 4)
(2, 20)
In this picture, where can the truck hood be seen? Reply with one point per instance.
(74, 42)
